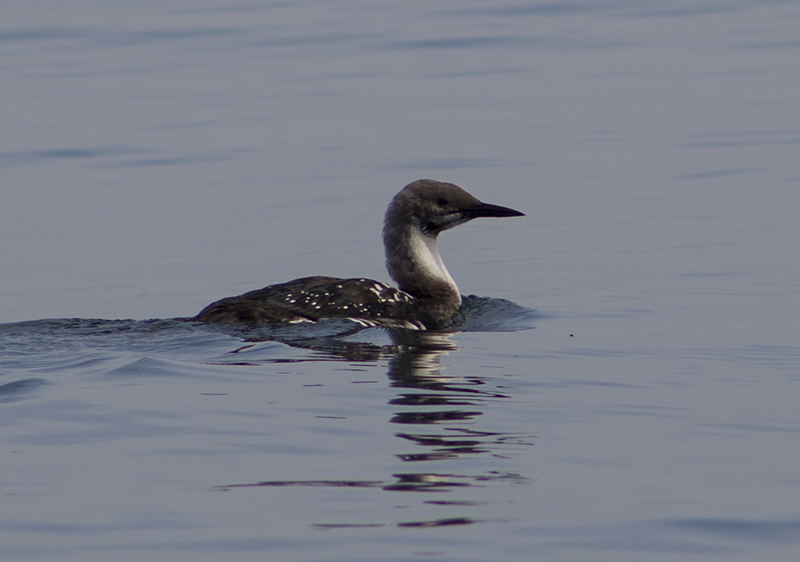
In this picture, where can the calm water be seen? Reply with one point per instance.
(158, 156)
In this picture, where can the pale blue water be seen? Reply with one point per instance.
(159, 156)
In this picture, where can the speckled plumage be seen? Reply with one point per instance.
(428, 297)
(312, 298)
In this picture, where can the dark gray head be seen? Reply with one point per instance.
(414, 219)
(434, 206)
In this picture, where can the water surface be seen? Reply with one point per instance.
(157, 157)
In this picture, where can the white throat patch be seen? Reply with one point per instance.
(425, 254)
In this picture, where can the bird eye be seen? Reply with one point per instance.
(441, 201)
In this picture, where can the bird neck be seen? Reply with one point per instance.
(413, 261)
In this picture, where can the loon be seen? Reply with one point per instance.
(427, 297)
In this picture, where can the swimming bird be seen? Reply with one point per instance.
(427, 297)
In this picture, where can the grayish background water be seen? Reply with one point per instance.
(159, 155)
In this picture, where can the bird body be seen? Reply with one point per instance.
(427, 297)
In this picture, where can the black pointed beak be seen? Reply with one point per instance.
(489, 210)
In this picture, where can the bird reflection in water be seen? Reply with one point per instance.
(441, 404)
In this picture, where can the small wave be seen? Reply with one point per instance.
(20, 390)
(486, 314)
